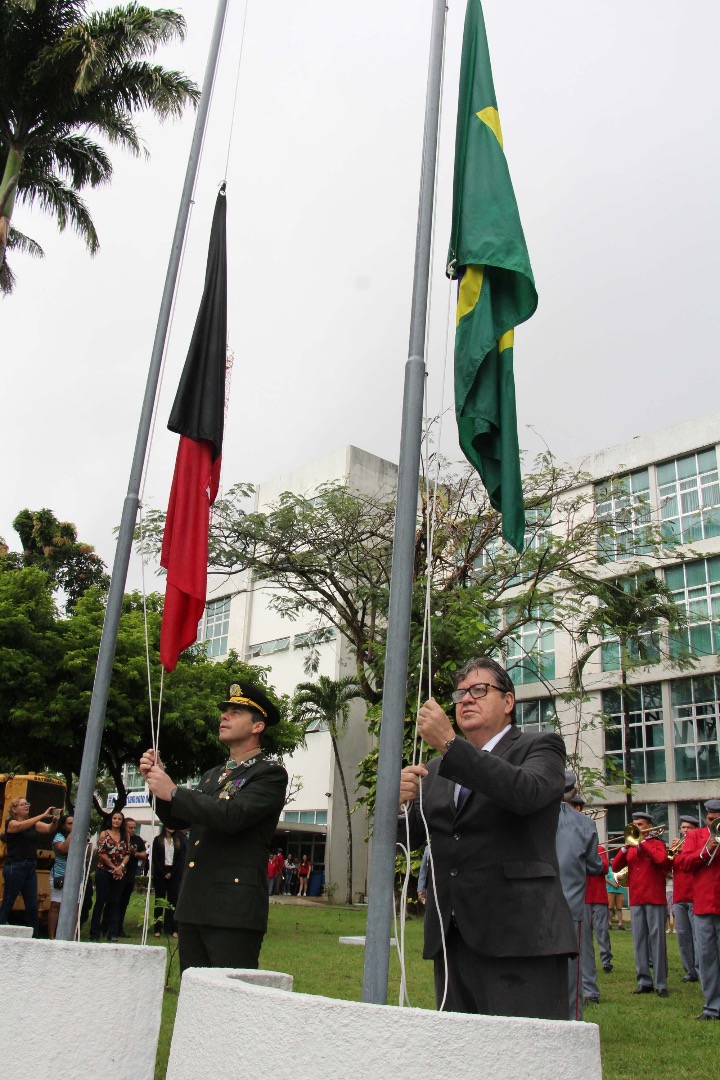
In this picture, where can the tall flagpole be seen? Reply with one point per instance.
(382, 866)
(108, 641)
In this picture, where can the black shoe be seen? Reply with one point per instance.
(607, 968)
(123, 934)
(113, 941)
(690, 978)
(643, 990)
(661, 993)
(707, 1016)
(591, 1001)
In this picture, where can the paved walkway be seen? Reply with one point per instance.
(300, 901)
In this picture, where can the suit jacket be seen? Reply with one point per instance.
(494, 860)
(232, 823)
(159, 869)
(577, 851)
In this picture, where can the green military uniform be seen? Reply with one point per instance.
(222, 909)
(232, 817)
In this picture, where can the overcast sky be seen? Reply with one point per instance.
(610, 120)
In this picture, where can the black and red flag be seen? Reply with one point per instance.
(198, 416)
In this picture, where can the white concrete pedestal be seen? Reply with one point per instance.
(223, 1024)
(68, 1006)
(16, 931)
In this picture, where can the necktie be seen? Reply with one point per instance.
(462, 795)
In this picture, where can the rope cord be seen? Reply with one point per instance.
(237, 83)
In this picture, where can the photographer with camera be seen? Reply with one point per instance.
(21, 838)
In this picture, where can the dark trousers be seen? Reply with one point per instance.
(534, 986)
(127, 891)
(219, 946)
(20, 878)
(106, 913)
(166, 889)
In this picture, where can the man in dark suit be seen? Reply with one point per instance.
(222, 910)
(492, 803)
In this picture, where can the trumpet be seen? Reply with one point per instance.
(678, 847)
(714, 835)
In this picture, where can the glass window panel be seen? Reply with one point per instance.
(707, 460)
(613, 738)
(654, 735)
(712, 525)
(321, 817)
(666, 473)
(690, 502)
(701, 640)
(713, 569)
(681, 691)
(685, 764)
(655, 767)
(639, 481)
(708, 763)
(292, 815)
(652, 696)
(675, 578)
(610, 655)
(687, 466)
(307, 816)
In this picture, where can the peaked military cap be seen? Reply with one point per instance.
(252, 697)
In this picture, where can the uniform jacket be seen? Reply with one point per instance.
(232, 823)
(647, 866)
(596, 889)
(706, 876)
(495, 863)
(577, 851)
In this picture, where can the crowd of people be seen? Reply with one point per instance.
(285, 877)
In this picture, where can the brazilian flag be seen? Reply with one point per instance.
(496, 289)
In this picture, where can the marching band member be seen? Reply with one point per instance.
(682, 901)
(647, 866)
(698, 856)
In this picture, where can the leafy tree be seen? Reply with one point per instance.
(328, 700)
(31, 648)
(67, 75)
(630, 609)
(53, 546)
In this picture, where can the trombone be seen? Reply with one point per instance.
(632, 836)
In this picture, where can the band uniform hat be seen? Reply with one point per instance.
(577, 800)
(640, 816)
(570, 780)
(251, 696)
(689, 819)
(712, 806)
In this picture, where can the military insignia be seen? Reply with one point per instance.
(224, 795)
(235, 691)
(237, 784)
(252, 761)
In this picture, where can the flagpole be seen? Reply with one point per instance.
(111, 624)
(382, 867)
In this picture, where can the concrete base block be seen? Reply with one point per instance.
(16, 931)
(80, 1000)
(349, 1040)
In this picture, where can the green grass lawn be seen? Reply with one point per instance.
(642, 1038)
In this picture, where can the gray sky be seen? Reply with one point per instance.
(609, 115)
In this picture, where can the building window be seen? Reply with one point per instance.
(622, 506)
(314, 637)
(695, 727)
(617, 816)
(264, 648)
(306, 817)
(689, 498)
(537, 715)
(531, 649)
(647, 739)
(217, 624)
(316, 725)
(696, 588)
(132, 778)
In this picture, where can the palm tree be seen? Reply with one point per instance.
(629, 609)
(66, 76)
(328, 700)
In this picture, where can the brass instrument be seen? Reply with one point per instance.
(715, 835)
(632, 836)
(678, 846)
(595, 812)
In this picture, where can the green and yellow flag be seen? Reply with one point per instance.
(496, 291)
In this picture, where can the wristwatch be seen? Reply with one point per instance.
(449, 743)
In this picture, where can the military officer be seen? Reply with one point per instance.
(222, 908)
(699, 856)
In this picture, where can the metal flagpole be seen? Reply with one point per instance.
(382, 866)
(108, 641)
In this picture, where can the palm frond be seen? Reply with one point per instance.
(81, 162)
(7, 278)
(18, 241)
(58, 199)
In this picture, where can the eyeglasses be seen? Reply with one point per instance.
(477, 690)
